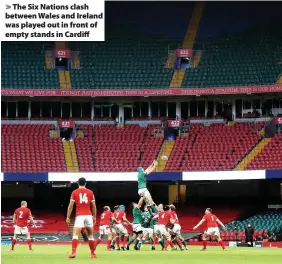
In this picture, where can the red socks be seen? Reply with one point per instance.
(124, 242)
(14, 242)
(74, 244)
(205, 244)
(97, 241)
(221, 243)
(91, 246)
(178, 243)
(155, 241)
(29, 244)
(117, 240)
(109, 244)
(169, 243)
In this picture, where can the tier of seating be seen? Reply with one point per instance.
(46, 223)
(214, 147)
(22, 66)
(108, 148)
(266, 221)
(122, 62)
(270, 157)
(247, 58)
(28, 148)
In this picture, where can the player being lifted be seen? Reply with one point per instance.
(142, 185)
(21, 216)
(85, 215)
(137, 225)
(105, 226)
(212, 228)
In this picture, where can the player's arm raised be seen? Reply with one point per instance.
(94, 210)
(221, 224)
(140, 202)
(70, 208)
(151, 168)
(199, 224)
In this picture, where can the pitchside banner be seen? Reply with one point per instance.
(48, 20)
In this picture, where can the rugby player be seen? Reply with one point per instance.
(142, 185)
(212, 228)
(137, 225)
(20, 219)
(85, 215)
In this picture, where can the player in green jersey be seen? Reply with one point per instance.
(137, 225)
(148, 226)
(142, 185)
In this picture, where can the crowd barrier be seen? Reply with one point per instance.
(132, 176)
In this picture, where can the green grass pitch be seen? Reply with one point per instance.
(58, 254)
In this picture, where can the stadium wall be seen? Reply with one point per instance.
(156, 176)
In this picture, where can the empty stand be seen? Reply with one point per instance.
(123, 61)
(270, 157)
(109, 148)
(23, 66)
(247, 58)
(214, 147)
(28, 148)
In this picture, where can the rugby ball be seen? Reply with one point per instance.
(164, 157)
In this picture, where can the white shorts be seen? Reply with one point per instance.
(149, 231)
(120, 229)
(137, 228)
(176, 229)
(105, 230)
(145, 193)
(213, 231)
(83, 221)
(21, 230)
(161, 230)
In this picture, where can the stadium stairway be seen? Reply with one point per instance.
(188, 42)
(279, 80)
(64, 79)
(49, 62)
(70, 156)
(191, 33)
(255, 151)
(165, 151)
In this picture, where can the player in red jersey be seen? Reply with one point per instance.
(85, 215)
(175, 230)
(105, 226)
(164, 218)
(21, 217)
(120, 229)
(212, 228)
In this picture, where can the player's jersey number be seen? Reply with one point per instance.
(83, 198)
(21, 214)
